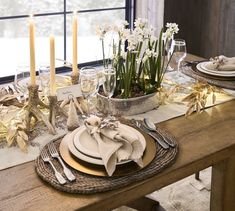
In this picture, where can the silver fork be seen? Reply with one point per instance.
(45, 157)
(55, 154)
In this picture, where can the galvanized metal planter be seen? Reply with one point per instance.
(126, 107)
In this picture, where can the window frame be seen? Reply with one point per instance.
(130, 14)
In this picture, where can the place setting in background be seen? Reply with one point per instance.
(219, 71)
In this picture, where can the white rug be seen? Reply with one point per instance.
(185, 195)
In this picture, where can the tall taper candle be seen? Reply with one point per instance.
(52, 66)
(75, 26)
(32, 51)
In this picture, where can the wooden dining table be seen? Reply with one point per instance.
(205, 139)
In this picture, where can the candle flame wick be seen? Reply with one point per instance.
(31, 15)
(74, 12)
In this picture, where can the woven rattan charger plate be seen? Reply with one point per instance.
(88, 184)
(224, 82)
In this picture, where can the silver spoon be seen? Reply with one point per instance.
(151, 126)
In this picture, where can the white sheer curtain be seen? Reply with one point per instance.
(153, 11)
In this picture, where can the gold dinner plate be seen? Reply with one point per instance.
(98, 170)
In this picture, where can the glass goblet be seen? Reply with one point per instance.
(22, 79)
(109, 85)
(89, 84)
(169, 50)
(179, 53)
(44, 77)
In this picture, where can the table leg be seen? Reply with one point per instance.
(145, 204)
(197, 175)
(223, 186)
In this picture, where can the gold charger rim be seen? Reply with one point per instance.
(97, 170)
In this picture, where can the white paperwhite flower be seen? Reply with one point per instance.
(125, 23)
(102, 30)
(133, 41)
(172, 28)
(148, 31)
(148, 53)
(155, 54)
(140, 23)
(131, 47)
(124, 34)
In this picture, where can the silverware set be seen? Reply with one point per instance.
(149, 128)
(54, 154)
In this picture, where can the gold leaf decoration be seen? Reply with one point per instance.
(197, 99)
(21, 143)
(11, 133)
(165, 94)
(16, 132)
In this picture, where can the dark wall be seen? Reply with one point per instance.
(208, 26)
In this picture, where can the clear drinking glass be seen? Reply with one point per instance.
(109, 84)
(169, 50)
(44, 77)
(22, 79)
(89, 83)
(179, 53)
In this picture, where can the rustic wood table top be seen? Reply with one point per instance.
(206, 139)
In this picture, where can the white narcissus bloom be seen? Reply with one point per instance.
(148, 53)
(133, 41)
(148, 31)
(140, 22)
(102, 30)
(124, 33)
(172, 28)
(125, 23)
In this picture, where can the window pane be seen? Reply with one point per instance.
(14, 42)
(89, 45)
(91, 4)
(26, 7)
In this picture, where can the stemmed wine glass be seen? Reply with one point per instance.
(89, 84)
(169, 50)
(44, 76)
(109, 85)
(179, 53)
(22, 78)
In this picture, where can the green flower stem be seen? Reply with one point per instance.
(104, 62)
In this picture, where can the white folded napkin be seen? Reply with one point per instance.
(115, 143)
(222, 63)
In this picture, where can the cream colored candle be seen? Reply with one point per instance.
(32, 51)
(75, 26)
(52, 66)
